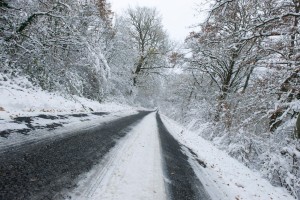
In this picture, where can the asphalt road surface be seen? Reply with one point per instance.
(183, 183)
(48, 170)
(41, 171)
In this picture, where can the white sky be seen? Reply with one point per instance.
(177, 15)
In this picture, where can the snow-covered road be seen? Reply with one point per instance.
(132, 170)
(49, 168)
(135, 157)
(148, 163)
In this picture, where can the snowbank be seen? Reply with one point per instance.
(20, 98)
(27, 113)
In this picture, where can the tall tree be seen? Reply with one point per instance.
(149, 39)
(105, 11)
(222, 50)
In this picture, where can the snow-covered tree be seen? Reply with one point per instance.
(61, 45)
(149, 40)
(248, 51)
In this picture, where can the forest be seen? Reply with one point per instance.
(236, 76)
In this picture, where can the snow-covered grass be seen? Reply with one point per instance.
(224, 177)
(19, 98)
(70, 125)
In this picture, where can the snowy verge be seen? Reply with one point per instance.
(20, 98)
(68, 126)
(224, 177)
(28, 113)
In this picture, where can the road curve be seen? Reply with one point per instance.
(43, 170)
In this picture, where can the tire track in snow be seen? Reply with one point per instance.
(133, 169)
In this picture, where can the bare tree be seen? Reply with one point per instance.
(148, 37)
(221, 51)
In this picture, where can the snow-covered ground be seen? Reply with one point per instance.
(20, 98)
(27, 113)
(224, 177)
(69, 126)
(131, 171)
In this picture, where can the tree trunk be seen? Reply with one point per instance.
(138, 70)
(248, 78)
(295, 26)
(224, 91)
(297, 128)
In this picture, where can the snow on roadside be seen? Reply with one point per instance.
(41, 111)
(20, 97)
(132, 170)
(224, 177)
(70, 125)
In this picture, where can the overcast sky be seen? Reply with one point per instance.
(177, 15)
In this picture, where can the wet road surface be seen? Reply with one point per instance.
(49, 169)
(43, 170)
(182, 182)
